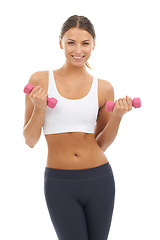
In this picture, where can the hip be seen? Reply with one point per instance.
(95, 186)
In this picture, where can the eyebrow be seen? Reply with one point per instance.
(74, 40)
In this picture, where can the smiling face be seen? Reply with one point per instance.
(78, 45)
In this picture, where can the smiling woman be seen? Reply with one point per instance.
(75, 47)
(78, 183)
(83, 23)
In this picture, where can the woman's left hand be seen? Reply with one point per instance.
(122, 106)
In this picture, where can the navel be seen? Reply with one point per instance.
(75, 154)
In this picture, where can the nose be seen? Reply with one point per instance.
(78, 49)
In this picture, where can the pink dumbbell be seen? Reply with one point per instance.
(136, 103)
(51, 102)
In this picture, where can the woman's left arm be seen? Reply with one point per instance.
(109, 133)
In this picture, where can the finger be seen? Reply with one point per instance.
(34, 90)
(120, 101)
(128, 97)
(129, 100)
(39, 91)
(43, 91)
(116, 103)
(125, 103)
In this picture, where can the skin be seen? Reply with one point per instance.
(72, 68)
(73, 75)
(73, 82)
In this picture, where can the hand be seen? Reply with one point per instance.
(38, 96)
(122, 106)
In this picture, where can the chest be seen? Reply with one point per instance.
(77, 90)
(73, 91)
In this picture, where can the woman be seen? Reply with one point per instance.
(79, 185)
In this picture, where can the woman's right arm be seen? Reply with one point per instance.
(35, 104)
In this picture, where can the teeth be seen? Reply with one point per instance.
(77, 57)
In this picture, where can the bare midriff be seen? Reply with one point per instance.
(73, 150)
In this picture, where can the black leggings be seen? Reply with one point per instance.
(80, 202)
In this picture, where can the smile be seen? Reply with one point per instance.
(77, 58)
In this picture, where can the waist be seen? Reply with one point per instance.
(74, 151)
(76, 159)
(78, 174)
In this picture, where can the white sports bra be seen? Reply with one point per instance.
(71, 115)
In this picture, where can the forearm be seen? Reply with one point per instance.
(107, 136)
(32, 130)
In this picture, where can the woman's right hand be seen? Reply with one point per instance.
(39, 98)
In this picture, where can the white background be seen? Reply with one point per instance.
(127, 54)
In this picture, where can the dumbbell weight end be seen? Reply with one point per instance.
(51, 102)
(136, 103)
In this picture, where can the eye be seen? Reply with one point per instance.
(70, 43)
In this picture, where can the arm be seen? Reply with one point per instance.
(107, 123)
(34, 117)
(111, 120)
(32, 130)
(109, 133)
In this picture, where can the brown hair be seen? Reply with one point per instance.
(79, 22)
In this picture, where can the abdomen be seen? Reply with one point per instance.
(75, 150)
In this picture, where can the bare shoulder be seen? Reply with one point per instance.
(107, 90)
(39, 78)
(105, 84)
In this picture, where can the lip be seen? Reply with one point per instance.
(77, 59)
(78, 56)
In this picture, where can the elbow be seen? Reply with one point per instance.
(102, 147)
(29, 145)
(98, 142)
(101, 144)
(29, 141)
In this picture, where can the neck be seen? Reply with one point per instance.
(71, 70)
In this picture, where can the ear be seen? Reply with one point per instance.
(93, 45)
(60, 42)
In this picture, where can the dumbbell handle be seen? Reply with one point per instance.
(136, 103)
(51, 102)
